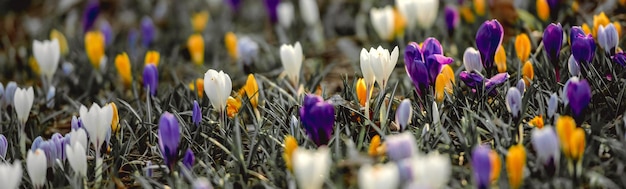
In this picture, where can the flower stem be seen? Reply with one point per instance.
(23, 141)
(98, 166)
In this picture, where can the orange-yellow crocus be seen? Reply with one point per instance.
(55, 34)
(34, 66)
(361, 91)
(577, 144)
(515, 163)
(496, 165)
(199, 21)
(500, 59)
(599, 20)
(376, 147)
(232, 106)
(466, 14)
(230, 41)
(528, 72)
(444, 83)
(122, 64)
(572, 140)
(251, 90)
(115, 122)
(399, 24)
(565, 126)
(152, 57)
(522, 46)
(290, 146)
(575, 6)
(195, 45)
(537, 121)
(94, 47)
(618, 27)
(586, 29)
(480, 7)
(198, 86)
(543, 10)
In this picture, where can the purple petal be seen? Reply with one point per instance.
(91, 13)
(619, 58)
(151, 78)
(578, 95)
(147, 31)
(412, 52)
(189, 159)
(481, 163)
(488, 39)
(418, 72)
(552, 40)
(471, 79)
(452, 17)
(169, 137)
(435, 64)
(271, 6)
(196, 113)
(318, 118)
(431, 46)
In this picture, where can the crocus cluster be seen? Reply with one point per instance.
(318, 118)
(424, 64)
(583, 46)
(54, 148)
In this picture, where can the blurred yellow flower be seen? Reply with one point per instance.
(55, 34)
(528, 72)
(199, 21)
(586, 29)
(34, 66)
(618, 27)
(361, 91)
(479, 7)
(496, 165)
(115, 122)
(537, 121)
(232, 106)
(230, 40)
(599, 20)
(398, 25)
(565, 126)
(500, 59)
(444, 83)
(543, 10)
(575, 6)
(522, 46)
(577, 144)
(152, 57)
(290, 146)
(515, 163)
(195, 45)
(376, 148)
(94, 47)
(122, 63)
(467, 15)
(251, 89)
(198, 86)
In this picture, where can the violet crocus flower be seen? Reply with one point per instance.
(552, 41)
(9, 92)
(91, 13)
(619, 58)
(488, 39)
(189, 159)
(401, 146)
(148, 31)
(476, 81)
(481, 164)
(578, 94)
(36, 143)
(514, 102)
(169, 137)
(583, 46)
(272, 9)
(107, 31)
(451, 15)
(4, 145)
(151, 78)
(424, 64)
(318, 118)
(196, 113)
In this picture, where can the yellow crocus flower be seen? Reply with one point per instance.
(577, 144)
(467, 15)
(251, 89)
(522, 46)
(115, 122)
(198, 86)
(55, 34)
(375, 148)
(543, 10)
(515, 163)
(398, 25)
(230, 40)
(195, 45)
(152, 57)
(199, 21)
(34, 66)
(447, 70)
(444, 83)
(500, 59)
(480, 7)
(496, 165)
(575, 6)
(565, 126)
(528, 72)
(586, 29)
(232, 106)
(537, 121)
(599, 20)
(122, 64)
(361, 91)
(290, 146)
(94, 45)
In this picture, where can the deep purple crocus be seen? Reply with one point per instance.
(4, 145)
(318, 118)
(196, 113)
(578, 94)
(151, 78)
(424, 64)
(476, 81)
(169, 137)
(583, 46)
(481, 164)
(488, 39)
(91, 13)
(452, 18)
(619, 58)
(148, 31)
(552, 41)
(272, 6)
(189, 159)
(234, 4)
(107, 31)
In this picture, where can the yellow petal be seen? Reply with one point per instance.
(195, 45)
(94, 47)
(200, 87)
(375, 144)
(122, 64)
(565, 126)
(500, 59)
(543, 10)
(232, 106)
(515, 163)
(199, 21)
(575, 6)
(537, 121)
(34, 66)
(361, 91)
(251, 88)
(447, 70)
(599, 20)
(496, 165)
(290, 146)
(467, 15)
(618, 27)
(528, 72)
(398, 25)
(55, 34)
(440, 86)
(152, 57)
(479, 7)
(115, 122)
(586, 29)
(522, 46)
(577, 144)
(230, 40)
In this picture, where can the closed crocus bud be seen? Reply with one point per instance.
(553, 104)
(77, 157)
(407, 9)
(79, 136)
(496, 165)
(189, 159)
(451, 15)
(471, 60)
(123, 66)
(196, 115)
(543, 10)
(578, 94)
(426, 12)
(375, 147)
(271, 7)
(500, 59)
(523, 46)
(36, 167)
(56, 35)
(565, 126)
(195, 45)
(404, 114)
(383, 22)
(383, 64)
(608, 38)
(583, 46)
(230, 42)
(481, 165)
(318, 118)
(480, 7)
(444, 83)
(23, 101)
(379, 176)
(152, 57)
(199, 21)
(217, 86)
(91, 13)
(401, 146)
(251, 90)
(488, 39)
(201, 183)
(97, 121)
(309, 12)
(515, 163)
(311, 167)
(528, 72)
(169, 137)
(9, 93)
(11, 175)
(285, 14)
(148, 31)
(247, 49)
(546, 145)
(94, 47)
(4, 145)
(291, 56)
(361, 91)
(521, 86)
(552, 41)
(151, 78)
(573, 66)
(47, 53)
(514, 102)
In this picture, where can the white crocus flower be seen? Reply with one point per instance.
(546, 144)
(97, 122)
(404, 113)
(23, 101)
(432, 170)
(291, 56)
(77, 157)
(47, 53)
(309, 12)
(426, 12)
(382, 64)
(608, 38)
(383, 22)
(36, 167)
(79, 136)
(379, 176)
(285, 14)
(311, 167)
(11, 175)
(217, 86)
(407, 10)
(471, 60)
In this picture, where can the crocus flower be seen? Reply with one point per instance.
(480, 7)
(11, 175)
(407, 9)
(290, 146)
(543, 10)
(57, 35)
(500, 59)
(152, 57)
(77, 157)
(496, 165)
(251, 90)
(247, 49)
(515, 163)
(521, 86)
(309, 12)
(451, 15)
(151, 78)
(201, 183)
(552, 40)
(311, 167)
(481, 164)
(91, 13)
(195, 45)
(375, 147)
(424, 65)
(488, 39)
(271, 6)
(619, 58)
(232, 106)
(553, 104)
(361, 91)
(471, 60)
(382, 64)
(197, 86)
(522, 46)
(189, 159)
(23, 101)
(169, 137)
(318, 118)
(94, 47)
(583, 46)
(514, 101)
(572, 66)
(383, 22)
(47, 54)
(430, 171)
(608, 38)
(97, 123)
(115, 119)
(285, 14)
(217, 87)
(36, 167)
(196, 115)
(444, 83)
(78, 136)
(379, 176)
(148, 31)
(199, 21)
(4, 145)
(107, 31)
(230, 42)
(401, 146)
(477, 81)
(404, 113)
(123, 66)
(546, 145)
(528, 72)
(572, 140)
(599, 20)
(426, 12)
(577, 94)
(291, 56)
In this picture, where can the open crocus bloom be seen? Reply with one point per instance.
(311, 167)
(477, 81)
(423, 64)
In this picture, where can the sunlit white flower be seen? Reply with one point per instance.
(311, 167)
(432, 170)
(379, 176)
(514, 101)
(23, 101)
(404, 113)
(11, 175)
(426, 12)
(408, 10)
(291, 56)
(217, 86)
(382, 64)
(36, 167)
(47, 53)
(285, 14)
(608, 38)
(309, 12)
(546, 144)
(383, 21)
(77, 157)
(97, 122)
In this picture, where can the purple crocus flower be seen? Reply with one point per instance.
(91, 13)
(546, 145)
(488, 39)
(583, 46)
(196, 113)
(36, 143)
(481, 163)
(514, 101)
(169, 137)
(318, 118)
(107, 31)
(148, 31)
(151, 78)
(189, 159)
(476, 81)
(234, 4)
(9, 92)
(552, 40)
(4, 145)
(619, 58)
(401, 146)
(452, 18)
(423, 65)
(578, 94)
(50, 149)
(272, 6)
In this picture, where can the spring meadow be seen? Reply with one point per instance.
(312, 94)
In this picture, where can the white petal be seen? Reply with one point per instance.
(311, 167)
(285, 14)
(379, 176)
(309, 12)
(77, 158)
(36, 167)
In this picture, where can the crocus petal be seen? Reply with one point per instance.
(401, 146)
(404, 113)
(578, 94)
(169, 137)
(11, 174)
(472, 80)
(481, 164)
(552, 40)
(36, 167)
(418, 72)
(471, 60)
(431, 46)
(379, 176)
(77, 157)
(546, 144)
(311, 168)
(318, 118)
(488, 38)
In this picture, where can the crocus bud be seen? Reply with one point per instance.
(578, 94)
(11, 175)
(407, 9)
(452, 18)
(552, 41)
(148, 31)
(77, 157)
(199, 21)
(56, 35)
(94, 47)
(619, 58)
(196, 115)
(401, 146)
(375, 147)
(573, 66)
(291, 56)
(546, 145)
(383, 22)
(36, 167)
(522, 47)
(488, 39)
(496, 165)
(521, 86)
(251, 90)
(75, 123)
(23, 101)
(285, 14)
(230, 42)
(383, 64)
(195, 45)
(361, 91)
(311, 167)
(247, 49)
(379, 176)
(151, 78)
(91, 13)
(481, 165)
(123, 66)
(78, 136)
(599, 20)
(404, 114)
(583, 46)
(271, 6)
(543, 10)
(36, 143)
(201, 183)
(309, 12)
(232, 106)
(426, 12)
(514, 101)
(152, 57)
(553, 104)
(608, 38)
(528, 72)
(97, 122)
(318, 118)
(500, 59)
(47, 53)
(189, 159)
(115, 118)
(515, 163)
(4, 145)
(217, 86)
(169, 137)
(471, 60)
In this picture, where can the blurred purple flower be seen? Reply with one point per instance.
(91, 13)
(552, 41)
(452, 18)
(546, 144)
(521, 86)
(476, 81)
(151, 78)
(36, 143)
(234, 4)
(620, 58)
(148, 31)
(578, 94)
(196, 115)
(318, 118)
(189, 159)
(4, 145)
(9, 92)
(272, 6)
(107, 31)
(481, 164)
(488, 39)
(401, 146)
(169, 137)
